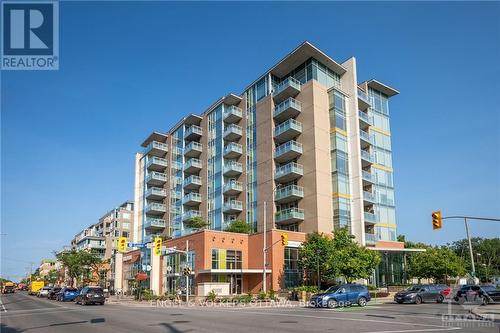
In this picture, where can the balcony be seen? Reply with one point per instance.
(232, 169)
(156, 164)
(368, 177)
(156, 193)
(366, 139)
(364, 99)
(365, 119)
(287, 130)
(232, 188)
(289, 193)
(190, 214)
(288, 172)
(369, 197)
(291, 215)
(370, 217)
(156, 148)
(233, 132)
(287, 151)
(193, 165)
(155, 208)
(233, 150)
(367, 158)
(191, 199)
(156, 179)
(233, 206)
(193, 149)
(290, 108)
(152, 223)
(370, 238)
(290, 87)
(193, 132)
(232, 114)
(192, 182)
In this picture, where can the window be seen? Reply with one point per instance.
(125, 225)
(125, 234)
(292, 272)
(226, 259)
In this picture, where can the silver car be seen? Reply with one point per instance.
(43, 292)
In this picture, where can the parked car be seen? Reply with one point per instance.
(43, 292)
(420, 293)
(67, 294)
(475, 293)
(343, 294)
(90, 295)
(53, 292)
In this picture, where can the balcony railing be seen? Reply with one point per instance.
(366, 137)
(364, 97)
(156, 193)
(193, 149)
(154, 223)
(233, 150)
(193, 165)
(289, 87)
(232, 206)
(287, 109)
(155, 208)
(193, 132)
(288, 172)
(156, 148)
(368, 176)
(192, 182)
(191, 214)
(156, 178)
(365, 117)
(370, 217)
(287, 130)
(287, 151)
(232, 114)
(156, 163)
(232, 168)
(369, 196)
(290, 215)
(367, 156)
(192, 198)
(233, 187)
(233, 132)
(370, 238)
(289, 193)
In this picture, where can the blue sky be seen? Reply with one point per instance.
(126, 69)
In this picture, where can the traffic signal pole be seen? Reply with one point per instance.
(465, 218)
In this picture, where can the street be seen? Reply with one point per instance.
(23, 313)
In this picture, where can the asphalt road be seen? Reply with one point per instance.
(22, 313)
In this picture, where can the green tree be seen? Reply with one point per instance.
(51, 276)
(196, 223)
(349, 259)
(239, 226)
(70, 260)
(486, 255)
(437, 263)
(315, 253)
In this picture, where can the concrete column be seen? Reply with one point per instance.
(155, 273)
(118, 271)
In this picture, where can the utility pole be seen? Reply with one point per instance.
(470, 247)
(187, 275)
(264, 250)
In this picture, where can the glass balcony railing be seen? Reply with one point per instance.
(287, 109)
(155, 207)
(368, 176)
(233, 149)
(289, 149)
(365, 117)
(289, 215)
(288, 129)
(370, 217)
(365, 136)
(193, 164)
(156, 148)
(233, 132)
(233, 168)
(289, 171)
(370, 238)
(288, 87)
(191, 198)
(367, 156)
(193, 149)
(191, 214)
(154, 223)
(156, 192)
(192, 181)
(369, 196)
(233, 186)
(232, 114)
(233, 205)
(289, 193)
(193, 131)
(363, 96)
(156, 178)
(156, 163)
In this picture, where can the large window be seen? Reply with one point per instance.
(292, 272)
(226, 259)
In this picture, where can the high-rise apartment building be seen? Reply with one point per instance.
(306, 139)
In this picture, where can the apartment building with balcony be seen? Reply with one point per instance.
(306, 140)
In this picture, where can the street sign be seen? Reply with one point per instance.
(148, 268)
(140, 245)
(170, 250)
(169, 269)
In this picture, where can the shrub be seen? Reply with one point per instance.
(371, 287)
(378, 294)
(271, 294)
(262, 296)
(212, 296)
(246, 298)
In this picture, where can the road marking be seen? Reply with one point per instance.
(3, 306)
(346, 319)
(424, 330)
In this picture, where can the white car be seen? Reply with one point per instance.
(43, 292)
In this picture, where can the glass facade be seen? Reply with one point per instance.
(313, 70)
(176, 180)
(214, 168)
(339, 161)
(292, 273)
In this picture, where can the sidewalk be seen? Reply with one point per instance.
(487, 311)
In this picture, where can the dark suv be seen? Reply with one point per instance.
(420, 293)
(342, 295)
(479, 294)
(90, 295)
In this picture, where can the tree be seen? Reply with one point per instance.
(196, 223)
(351, 260)
(71, 261)
(315, 253)
(437, 263)
(239, 226)
(51, 276)
(486, 255)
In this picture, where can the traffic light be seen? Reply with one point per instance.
(122, 244)
(437, 220)
(157, 245)
(186, 271)
(284, 239)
